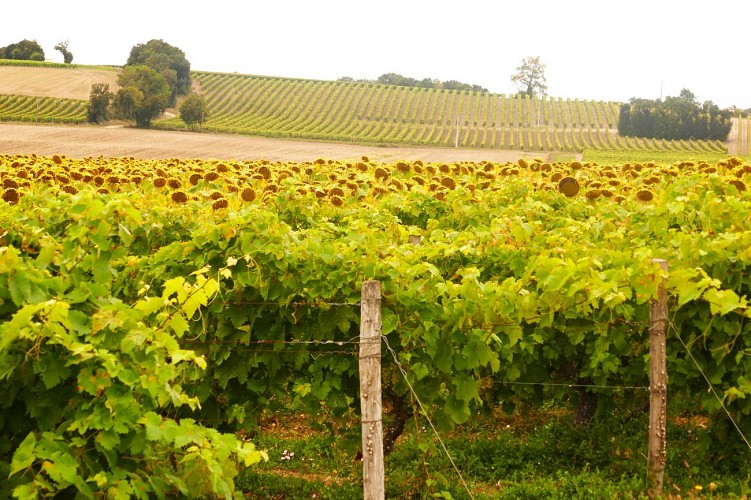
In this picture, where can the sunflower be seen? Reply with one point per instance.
(10, 195)
(645, 195)
(248, 194)
(179, 197)
(219, 204)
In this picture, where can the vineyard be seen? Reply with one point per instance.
(152, 310)
(367, 113)
(31, 109)
(740, 136)
(374, 113)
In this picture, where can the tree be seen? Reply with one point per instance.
(62, 47)
(168, 61)
(126, 102)
(674, 118)
(100, 99)
(25, 50)
(143, 95)
(688, 96)
(194, 110)
(530, 77)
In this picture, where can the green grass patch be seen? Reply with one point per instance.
(39, 64)
(532, 454)
(620, 156)
(564, 157)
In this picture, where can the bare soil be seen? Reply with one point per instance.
(80, 141)
(68, 83)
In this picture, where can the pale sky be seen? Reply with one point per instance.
(592, 49)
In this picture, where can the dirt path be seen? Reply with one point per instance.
(85, 141)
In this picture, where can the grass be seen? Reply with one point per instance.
(530, 454)
(621, 156)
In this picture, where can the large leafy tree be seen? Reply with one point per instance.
(25, 50)
(168, 61)
(530, 77)
(143, 95)
(194, 110)
(100, 98)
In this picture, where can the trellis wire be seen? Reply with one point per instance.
(711, 387)
(425, 414)
(583, 386)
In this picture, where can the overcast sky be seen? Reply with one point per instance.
(592, 49)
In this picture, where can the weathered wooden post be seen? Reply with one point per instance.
(658, 386)
(370, 391)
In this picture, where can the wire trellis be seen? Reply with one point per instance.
(425, 414)
(711, 387)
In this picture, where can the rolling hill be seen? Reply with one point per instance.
(362, 113)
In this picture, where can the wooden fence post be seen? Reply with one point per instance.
(370, 391)
(658, 387)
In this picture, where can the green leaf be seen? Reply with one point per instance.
(108, 439)
(187, 433)
(26, 491)
(724, 301)
(150, 305)
(389, 321)
(420, 370)
(302, 389)
(46, 254)
(157, 429)
(514, 333)
(466, 386)
(101, 268)
(178, 324)
(19, 287)
(62, 468)
(18, 324)
(512, 372)
(555, 280)
(25, 454)
(53, 374)
(457, 409)
(174, 286)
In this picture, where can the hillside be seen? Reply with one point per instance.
(62, 83)
(360, 113)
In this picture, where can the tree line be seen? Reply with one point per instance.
(30, 50)
(674, 118)
(25, 50)
(425, 83)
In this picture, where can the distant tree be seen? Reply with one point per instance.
(428, 83)
(397, 79)
(168, 61)
(687, 95)
(349, 79)
(530, 77)
(624, 121)
(25, 50)
(62, 47)
(143, 95)
(674, 118)
(194, 110)
(100, 99)
(454, 85)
